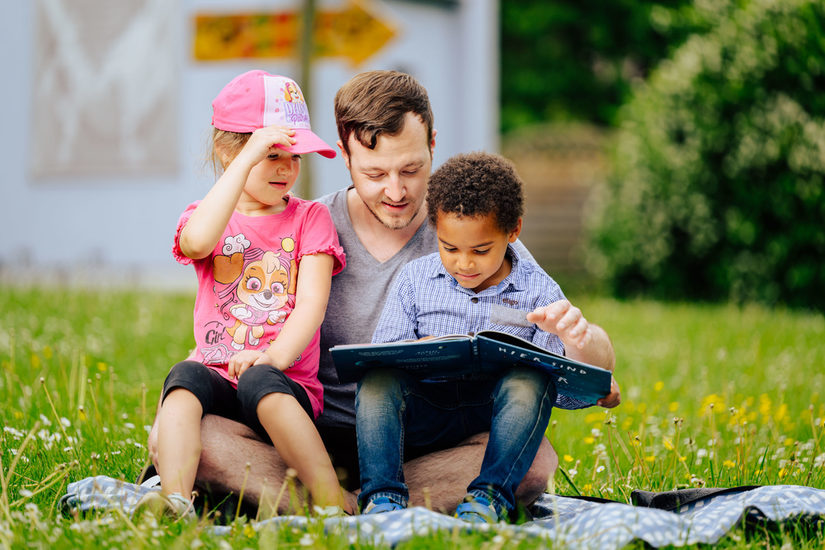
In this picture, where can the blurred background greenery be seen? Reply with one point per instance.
(672, 149)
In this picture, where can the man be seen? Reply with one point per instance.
(385, 126)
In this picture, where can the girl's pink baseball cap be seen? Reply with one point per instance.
(257, 99)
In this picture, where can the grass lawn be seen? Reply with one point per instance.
(713, 396)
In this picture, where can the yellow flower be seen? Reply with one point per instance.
(594, 417)
(673, 407)
(658, 386)
(589, 440)
(35, 361)
(650, 458)
(568, 458)
(668, 444)
(101, 366)
(788, 441)
(781, 413)
(710, 403)
(765, 405)
(729, 464)
(737, 417)
(682, 458)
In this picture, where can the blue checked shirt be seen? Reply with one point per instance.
(425, 300)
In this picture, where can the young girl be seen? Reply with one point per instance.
(264, 260)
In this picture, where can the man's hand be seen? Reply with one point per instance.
(613, 398)
(565, 321)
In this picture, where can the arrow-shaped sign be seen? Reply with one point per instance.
(353, 32)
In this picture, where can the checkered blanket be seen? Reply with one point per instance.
(705, 517)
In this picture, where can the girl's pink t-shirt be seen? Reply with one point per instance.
(246, 287)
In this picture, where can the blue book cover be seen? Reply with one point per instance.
(456, 356)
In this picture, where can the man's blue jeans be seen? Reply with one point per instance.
(394, 410)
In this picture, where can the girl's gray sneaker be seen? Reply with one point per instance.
(158, 505)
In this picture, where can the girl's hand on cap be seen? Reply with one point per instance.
(264, 139)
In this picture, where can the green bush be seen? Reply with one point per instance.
(574, 60)
(717, 186)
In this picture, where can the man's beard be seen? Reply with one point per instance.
(400, 224)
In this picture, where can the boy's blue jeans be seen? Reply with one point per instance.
(394, 410)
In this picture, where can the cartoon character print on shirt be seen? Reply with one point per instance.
(260, 291)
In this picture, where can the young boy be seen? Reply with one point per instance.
(475, 202)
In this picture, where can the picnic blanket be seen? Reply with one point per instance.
(680, 518)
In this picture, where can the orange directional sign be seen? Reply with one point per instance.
(352, 32)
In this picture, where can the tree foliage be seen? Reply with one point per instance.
(575, 59)
(719, 163)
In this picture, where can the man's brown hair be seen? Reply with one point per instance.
(376, 102)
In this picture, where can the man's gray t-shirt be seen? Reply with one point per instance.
(356, 301)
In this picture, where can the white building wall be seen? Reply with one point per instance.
(117, 229)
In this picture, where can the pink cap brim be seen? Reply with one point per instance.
(308, 142)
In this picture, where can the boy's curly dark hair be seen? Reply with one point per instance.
(477, 184)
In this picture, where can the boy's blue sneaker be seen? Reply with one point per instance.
(382, 505)
(476, 509)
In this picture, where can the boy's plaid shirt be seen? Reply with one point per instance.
(425, 300)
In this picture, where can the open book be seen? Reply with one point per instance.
(457, 355)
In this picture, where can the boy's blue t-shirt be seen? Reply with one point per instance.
(425, 300)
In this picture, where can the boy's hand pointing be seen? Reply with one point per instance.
(565, 321)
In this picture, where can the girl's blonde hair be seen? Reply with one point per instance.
(225, 147)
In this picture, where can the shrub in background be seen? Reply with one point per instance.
(717, 187)
(574, 60)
